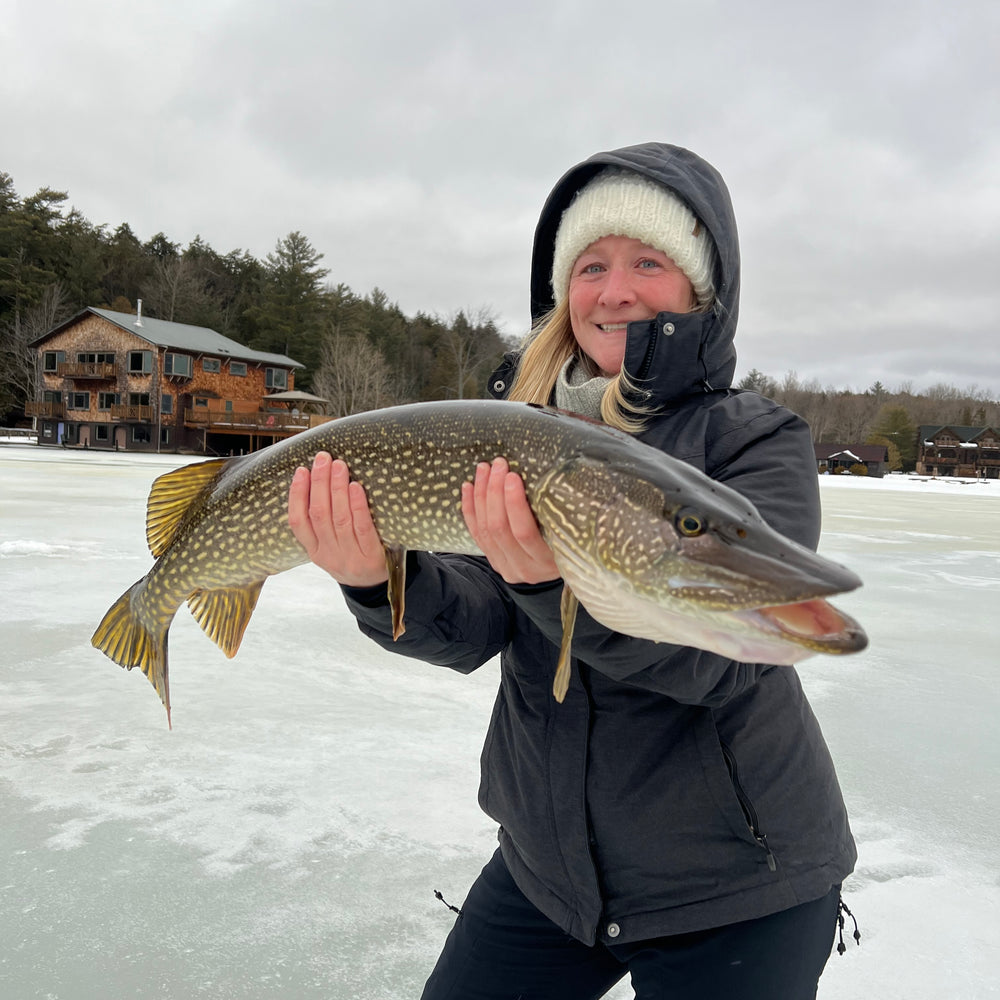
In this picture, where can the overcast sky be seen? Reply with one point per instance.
(414, 144)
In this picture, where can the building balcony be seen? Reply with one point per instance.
(85, 369)
(44, 409)
(260, 422)
(132, 414)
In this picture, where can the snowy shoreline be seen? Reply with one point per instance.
(17, 450)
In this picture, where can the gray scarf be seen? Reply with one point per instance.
(579, 391)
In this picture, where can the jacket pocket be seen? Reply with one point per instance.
(746, 805)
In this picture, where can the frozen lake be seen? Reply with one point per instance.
(286, 838)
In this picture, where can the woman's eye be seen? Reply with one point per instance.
(591, 269)
(647, 263)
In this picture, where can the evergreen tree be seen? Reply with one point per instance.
(893, 423)
(287, 319)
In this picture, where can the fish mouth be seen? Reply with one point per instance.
(815, 624)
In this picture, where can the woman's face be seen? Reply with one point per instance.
(616, 281)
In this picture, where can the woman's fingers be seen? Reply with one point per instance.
(330, 518)
(502, 524)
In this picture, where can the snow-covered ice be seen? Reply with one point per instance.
(286, 838)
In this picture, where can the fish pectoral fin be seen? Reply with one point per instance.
(129, 642)
(225, 614)
(395, 562)
(568, 606)
(172, 496)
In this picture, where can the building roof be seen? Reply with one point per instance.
(179, 336)
(861, 452)
(926, 432)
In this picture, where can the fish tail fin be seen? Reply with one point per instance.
(125, 638)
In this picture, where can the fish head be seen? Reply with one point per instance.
(665, 552)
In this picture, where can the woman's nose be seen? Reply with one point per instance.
(617, 289)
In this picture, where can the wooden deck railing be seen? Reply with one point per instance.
(85, 369)
(44, 409)
(259, 422)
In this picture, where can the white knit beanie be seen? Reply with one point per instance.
(622, 203)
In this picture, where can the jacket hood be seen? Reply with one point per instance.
(696, 353)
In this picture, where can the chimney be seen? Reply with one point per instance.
(138, 312)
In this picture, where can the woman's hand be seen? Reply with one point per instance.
(329, 516)
(502, 524)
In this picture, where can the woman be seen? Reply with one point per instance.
(678, 817)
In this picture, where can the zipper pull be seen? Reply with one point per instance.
(761, 839)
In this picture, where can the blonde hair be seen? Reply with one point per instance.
(547, 348)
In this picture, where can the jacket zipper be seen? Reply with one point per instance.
(749, 813)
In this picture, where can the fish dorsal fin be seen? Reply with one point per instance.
(171, 497)
(225, 614)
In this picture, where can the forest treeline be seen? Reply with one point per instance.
(877, 415)
(359, 350)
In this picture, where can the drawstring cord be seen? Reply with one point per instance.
(842, 908)
(454, 909)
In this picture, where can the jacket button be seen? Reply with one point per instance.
(614, 930)
(668, 329)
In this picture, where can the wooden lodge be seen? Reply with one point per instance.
(954, 450)
(128, 383)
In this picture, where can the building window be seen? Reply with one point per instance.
(138, 399)
(164, 435)
(52, 396)
(71, 434)
(211, 365)
(166, 403)
(95, 359)
(78, 401)
(237, 368)
(105, 400)
(102, 432)
(177, 364)
(140, 362)
(276, 378)
(140, 434)
(199, 401)
(51, 360)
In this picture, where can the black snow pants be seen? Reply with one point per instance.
(502, 948)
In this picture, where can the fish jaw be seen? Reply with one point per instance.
(782, 635)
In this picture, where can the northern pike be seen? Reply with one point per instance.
(650, 546)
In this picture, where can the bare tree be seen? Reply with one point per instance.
(175, 289)
(353, 374)
(470, 338)
(18, 359)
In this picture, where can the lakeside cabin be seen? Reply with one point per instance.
(124, 382)
(837, 458)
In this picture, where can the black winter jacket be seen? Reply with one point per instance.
(674, 789)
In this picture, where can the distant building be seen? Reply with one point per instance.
(954, 450)
(125, 382)
(838, 458)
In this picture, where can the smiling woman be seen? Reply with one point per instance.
(676, 815)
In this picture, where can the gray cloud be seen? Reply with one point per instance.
(414, 145)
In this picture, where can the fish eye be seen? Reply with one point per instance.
(689, 522)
